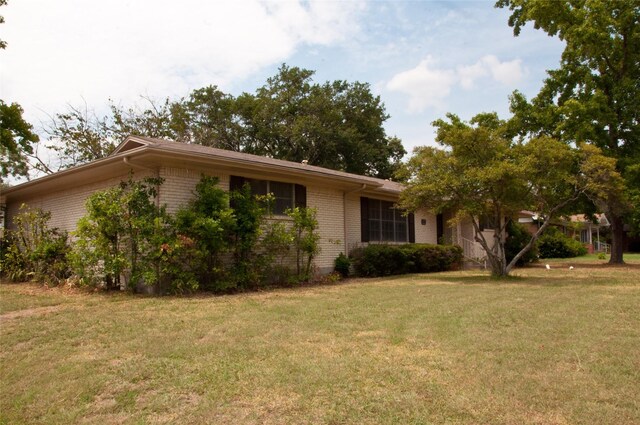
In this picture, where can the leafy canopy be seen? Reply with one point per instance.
(480, 172)
(16, 141)
(594, 95)
(337, 124)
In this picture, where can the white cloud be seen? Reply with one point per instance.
(427, 86)
(469, 74)
(507, 73)
(60, 51)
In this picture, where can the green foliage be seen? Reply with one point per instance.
(286, 244)
(120, 235)
(209, 222)
(126, 234)
(379, 260)
(555, 244)
(342, 264)
(384, 260)
(13, 263)
(339, 125)
(304, 232)
(249, 215)
(602, 256)
(517, 238)
(594, 95)
(481, 171)
(33, 250)
(427, 258)
(16, 140)
(275, 249)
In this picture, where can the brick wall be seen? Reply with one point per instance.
(179, 184)
(329, 205)
(66, 206)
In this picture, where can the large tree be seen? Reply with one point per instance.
(594, 95)
(16, 135)
(16, 141)
(479, 171)
(337, 124)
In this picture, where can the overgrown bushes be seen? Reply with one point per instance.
(555, 244)
(517, 238)
(118, 241)
(33, 251)
(385, 260)
(126, 240)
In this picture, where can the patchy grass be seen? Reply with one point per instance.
(546, 346)
(631, 258)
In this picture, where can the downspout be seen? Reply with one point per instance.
(344, 213)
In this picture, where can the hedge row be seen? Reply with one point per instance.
(385, 260)
(555, 244)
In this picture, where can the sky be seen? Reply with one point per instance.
(423, 58)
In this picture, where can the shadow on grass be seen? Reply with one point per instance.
(551, 279)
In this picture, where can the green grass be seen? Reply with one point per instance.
(633, 258)
(546, 346)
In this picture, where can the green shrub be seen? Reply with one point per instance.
(378, 260)
(249, 216)
(118, 240)
(342, 264)
(426, 258)
(208, 221)
(385, 260)
(555, 244)
(306, 239)
(33, 250)
(518, 237)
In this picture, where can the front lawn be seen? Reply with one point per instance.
(547, 346)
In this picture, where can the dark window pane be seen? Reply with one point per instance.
(401, 230)
(374, 230)
(258, 187)
(283, 193)
(387, 231)
(387, 210)
(374, 209)
(281, 190)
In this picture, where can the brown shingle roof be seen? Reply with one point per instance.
(167, 145)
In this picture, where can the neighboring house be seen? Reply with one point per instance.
(588, 230)
(578, 226)
(352, 210)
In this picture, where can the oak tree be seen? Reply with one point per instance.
(594, 95)
(479, 171)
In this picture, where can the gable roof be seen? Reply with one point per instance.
(151, 152)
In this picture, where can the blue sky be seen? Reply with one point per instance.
(423, 58)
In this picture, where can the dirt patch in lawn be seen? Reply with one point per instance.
(29, 312)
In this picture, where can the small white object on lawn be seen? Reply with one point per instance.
(548, 267)
(570, 267)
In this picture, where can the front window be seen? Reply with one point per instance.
(283, 193)
(386, 223)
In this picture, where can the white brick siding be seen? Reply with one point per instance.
(179, 184)
(66, 206)
(330, 213)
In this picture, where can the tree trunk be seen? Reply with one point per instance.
(617, 239)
